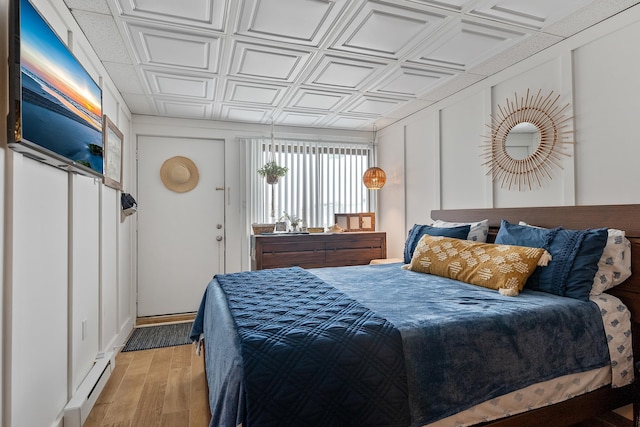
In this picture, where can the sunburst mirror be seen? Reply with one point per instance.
(525, 142)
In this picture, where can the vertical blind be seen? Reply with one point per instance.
(323, 178)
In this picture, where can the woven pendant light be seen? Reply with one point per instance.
(374, 178)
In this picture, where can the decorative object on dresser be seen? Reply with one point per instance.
(294, 221)
(335, 228)
(317, 249)
(543, 124)
(262, 228)
(364, 221)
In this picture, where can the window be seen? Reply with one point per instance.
(323, 178)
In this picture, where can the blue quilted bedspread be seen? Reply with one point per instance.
(311, 356)
(297, 351)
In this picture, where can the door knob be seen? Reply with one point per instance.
(218, 226)
(219, 238)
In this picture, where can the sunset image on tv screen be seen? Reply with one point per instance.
(61, 104)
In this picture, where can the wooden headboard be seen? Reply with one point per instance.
(623, 217)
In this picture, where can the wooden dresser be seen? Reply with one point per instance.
(317, 250)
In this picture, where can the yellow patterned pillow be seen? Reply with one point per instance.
(505, 268)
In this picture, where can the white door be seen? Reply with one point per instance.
(180, 234)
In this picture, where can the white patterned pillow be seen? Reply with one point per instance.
(478, 231)
(614, 266)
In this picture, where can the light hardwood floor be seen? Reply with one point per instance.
(166, 387)
(163, 387)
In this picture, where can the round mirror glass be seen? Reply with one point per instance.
(522, 141)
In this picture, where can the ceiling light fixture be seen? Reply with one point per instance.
(374, 178)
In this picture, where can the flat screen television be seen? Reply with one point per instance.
(55, 111)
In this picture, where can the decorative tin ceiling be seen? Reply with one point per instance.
(319, 63)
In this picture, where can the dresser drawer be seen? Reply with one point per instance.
(317, 250)
(355, 242)
(362, 256)
(307, 259)
(287, 247)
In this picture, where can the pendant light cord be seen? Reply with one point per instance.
(373, 145)
(273, 146)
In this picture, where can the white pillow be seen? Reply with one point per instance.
(478, 231)
(614, 266)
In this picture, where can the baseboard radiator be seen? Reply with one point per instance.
(78, 408)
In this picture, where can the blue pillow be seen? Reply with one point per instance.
(524, 235)
(417, 231)
(575, 255)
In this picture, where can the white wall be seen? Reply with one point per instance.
(460, 127)
(422, 164)
(67, 258)
(108, 276)
(594, 72)
(607, 117)
(39, 303)
(84, 222)
(391, 157)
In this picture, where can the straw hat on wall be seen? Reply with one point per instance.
(179, 174)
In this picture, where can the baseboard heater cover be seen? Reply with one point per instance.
(81, 403)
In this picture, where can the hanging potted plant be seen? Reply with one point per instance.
(272, 171)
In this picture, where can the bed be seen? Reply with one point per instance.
(375, 363)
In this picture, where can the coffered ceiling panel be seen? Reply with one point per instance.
(316, 99)
(533, 14)
(296, 118)
(410, 81)
(304, 22)
(254, 92)
(464, 44)
(374, 106)
(267, 62)
(386, 30)
(341, 72)
(346, 122)
(348, 64)
(166, 48)
(209, 14)
(456, 5)
(236, 113)
(192, 109)
(169, 84)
